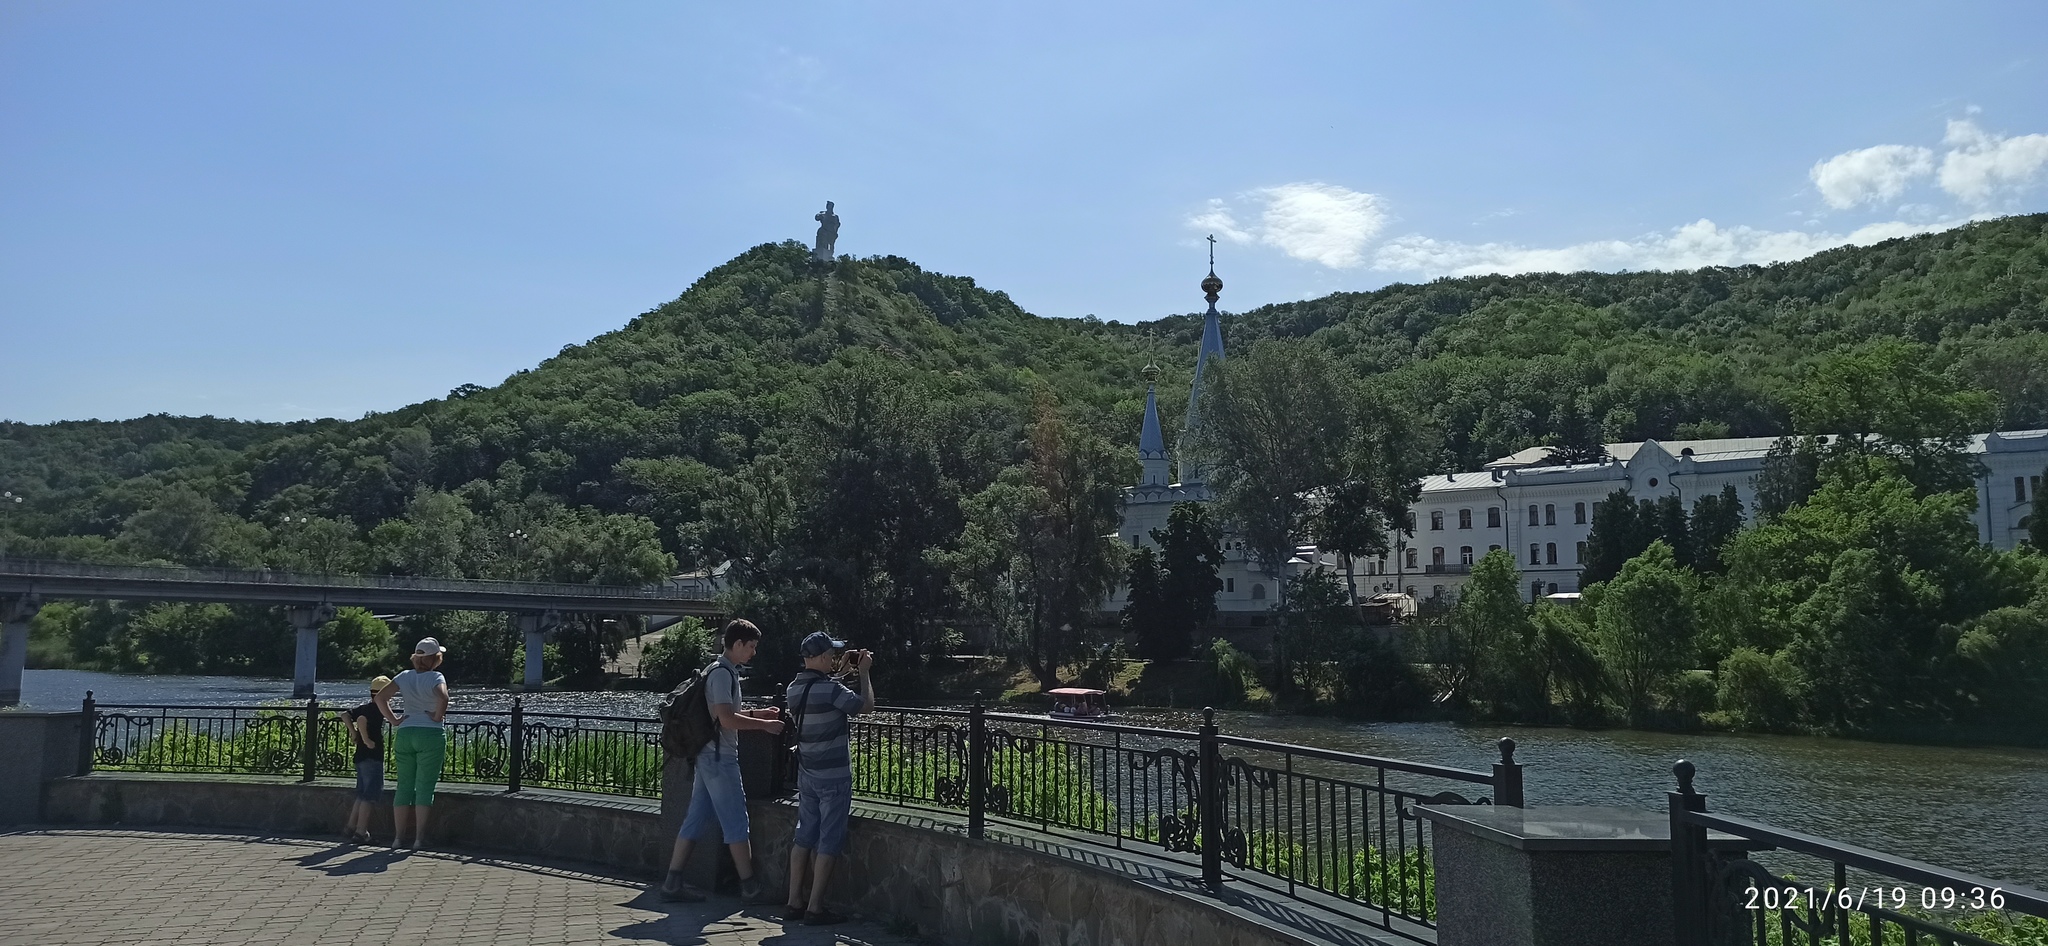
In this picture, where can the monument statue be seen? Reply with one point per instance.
(828, 233)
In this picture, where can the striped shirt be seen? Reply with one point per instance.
(818, 706)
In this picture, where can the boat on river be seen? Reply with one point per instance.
(1077, 703)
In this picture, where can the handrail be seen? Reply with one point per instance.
(1850, 855)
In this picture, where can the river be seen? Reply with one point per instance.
(1976, 810)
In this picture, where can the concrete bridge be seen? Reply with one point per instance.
(310, 602)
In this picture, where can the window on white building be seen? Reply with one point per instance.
(1465, 555)
(1535, 552)
(1532, 515)
(1436, 555)
(1493, 517)
(1411, 521)
(1464, 518)
(1230, 585)
(1579, 554)
(1550, 553)
(1579, 513)
(2019, 489)
(1493, 548)
(1553, 587)
(1436, 521)
(1535, 591)
(1411, 558)
(1258, 592)
(1549, 514)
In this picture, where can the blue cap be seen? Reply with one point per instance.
(817, 643)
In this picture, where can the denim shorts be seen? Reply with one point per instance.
(370, 779)
(715, 793)
(822, 807)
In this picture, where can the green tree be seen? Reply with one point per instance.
(1619, 533)
(2037, 517)
(679, 653)
(1646, 626)
(1315, 623)
(1791, 473)
(1144, 616)
(1190, 555)
(1886, 399)
(1275, 419)
(1495, 642)
(1065, 562)
(1715, 520)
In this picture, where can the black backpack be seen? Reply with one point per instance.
(686, 723)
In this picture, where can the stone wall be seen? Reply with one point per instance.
(899, 869)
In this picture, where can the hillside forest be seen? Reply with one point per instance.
(907, 459)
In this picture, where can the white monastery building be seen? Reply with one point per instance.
(1541, 513)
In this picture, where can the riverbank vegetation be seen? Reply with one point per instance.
(914, 462)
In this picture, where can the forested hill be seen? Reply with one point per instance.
(677, 432)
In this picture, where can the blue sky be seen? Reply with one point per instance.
(277, 211)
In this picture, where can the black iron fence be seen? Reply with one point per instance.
(617, 755)
(1815, 891)
(1291, 818)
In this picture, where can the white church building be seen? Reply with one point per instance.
(1541, 513)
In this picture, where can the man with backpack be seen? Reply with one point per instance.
(715, 787)
(818, 709)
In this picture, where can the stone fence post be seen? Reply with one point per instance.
(1553, 875)
(35, 747)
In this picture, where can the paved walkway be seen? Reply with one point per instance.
(72, 887)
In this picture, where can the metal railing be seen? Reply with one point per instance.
(1316, 824)
(1293, 819)
(25, 567)
(1817, 891)
(616, 755)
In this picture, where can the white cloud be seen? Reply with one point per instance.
(1868, 175)
(1697, 244)
(1316, 222)
(1981, 164)
(1218, 219)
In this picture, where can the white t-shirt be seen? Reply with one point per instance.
(417, 687)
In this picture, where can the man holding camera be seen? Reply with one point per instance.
(818, 709)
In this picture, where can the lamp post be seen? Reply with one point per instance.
(518, 539)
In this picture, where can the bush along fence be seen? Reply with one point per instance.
(616, 755)
(1818, 891)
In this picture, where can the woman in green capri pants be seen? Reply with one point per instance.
(418, 743)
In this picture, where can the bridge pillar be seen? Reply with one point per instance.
(538, 628)
(307, 620)
(15, 613)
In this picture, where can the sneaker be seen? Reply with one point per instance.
(750, 890)
(822, 918)
(682, 892)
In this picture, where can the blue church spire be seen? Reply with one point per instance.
(1152, 443)
(1191, 469)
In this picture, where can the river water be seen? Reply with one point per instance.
(1984, 811)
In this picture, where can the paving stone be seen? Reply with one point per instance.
(78, 887)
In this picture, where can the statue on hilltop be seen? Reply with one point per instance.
(828, 233)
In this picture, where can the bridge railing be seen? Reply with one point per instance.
(1314, 823)
(23, 567)
(1811, 891)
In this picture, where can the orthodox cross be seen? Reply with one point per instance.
(1212, 251)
